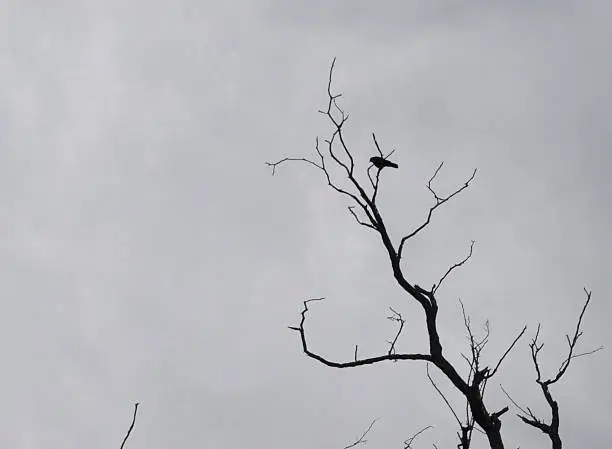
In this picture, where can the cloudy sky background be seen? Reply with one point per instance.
(148, 255)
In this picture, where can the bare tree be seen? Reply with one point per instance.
(332, 156)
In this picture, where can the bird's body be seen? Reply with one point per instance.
(380, 162)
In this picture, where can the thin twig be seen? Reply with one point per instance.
(442, 395)
(397, 317)
(131, 426)
(439, 201)
(458, 264)
(409, 441)
(513, 401)
(518, 337)
(286, 159)
(574, 340)
(361, 439)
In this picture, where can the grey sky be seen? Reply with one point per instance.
(148, 255)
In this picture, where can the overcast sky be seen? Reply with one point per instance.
(147, 254)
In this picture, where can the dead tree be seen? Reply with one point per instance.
(363, 196)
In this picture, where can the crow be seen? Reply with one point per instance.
(380, 163)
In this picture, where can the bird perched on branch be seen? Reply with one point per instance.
(380, 162)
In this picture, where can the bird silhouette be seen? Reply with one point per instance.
(380, 162)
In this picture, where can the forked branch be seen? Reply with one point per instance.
(439, 201)
(551, 429)
(397, 317)
(408, 442)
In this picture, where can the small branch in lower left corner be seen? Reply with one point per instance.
(127, 435)
(361, 439)
(409, 441)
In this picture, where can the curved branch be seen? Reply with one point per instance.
(356, 362)
(127, 435)
(409, 441)
(397, 317)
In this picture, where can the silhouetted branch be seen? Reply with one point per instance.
(356, 362)
(476, 345)
(360, 198)
(573, 341)
(458, 264)
(397, 317)
(127, 435)
(552, 429)
(465, 437)
(361, 439)
(450, 407)
(513, 401)
(439, 201)
(476, 374)
(409, 441)
(363, 223)
(501, 359)
(287, 159)
(375, 184)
